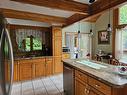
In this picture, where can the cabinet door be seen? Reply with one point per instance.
(25, 71)
(93, 91)
(16, 71)
(57, 31)
(58, 65)
(40, 68)
(57, 50)
(81, 88)
(49, 66)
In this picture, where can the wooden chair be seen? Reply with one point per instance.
(114, 61)
(97, 58)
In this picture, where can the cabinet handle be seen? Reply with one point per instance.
(80, 75)
(88, 91)
(97, 85)
(85, 90)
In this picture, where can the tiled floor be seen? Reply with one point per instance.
(52, 85)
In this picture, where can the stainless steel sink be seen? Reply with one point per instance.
(91, 64)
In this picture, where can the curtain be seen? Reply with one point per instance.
(22, 34)
(118, 44)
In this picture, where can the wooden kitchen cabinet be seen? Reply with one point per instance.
(57, 49)
(49, 66)
(80, 88)
(26, 71)
(39, 66)
(56, 31)
(99, 86)
(92, 91)
(16, 71)
(58, 65)
(84, 89)
(85, 85)
(57, 46)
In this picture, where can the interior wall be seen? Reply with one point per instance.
(84, 27)
(101, 24)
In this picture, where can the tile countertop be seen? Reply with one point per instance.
(106, 74)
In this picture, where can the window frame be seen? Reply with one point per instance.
(116, 24)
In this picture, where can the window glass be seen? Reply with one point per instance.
(37, 44)
(124, 42)
(123, 15)
(27, 47)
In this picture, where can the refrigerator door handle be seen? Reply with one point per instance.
(12, 58)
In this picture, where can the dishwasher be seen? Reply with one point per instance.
(68, 80)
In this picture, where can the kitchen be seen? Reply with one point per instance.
(38, 31)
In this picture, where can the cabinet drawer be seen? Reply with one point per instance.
(49, 59)
(99, 86)
(25, 61)
(41, 60)
(81, 76)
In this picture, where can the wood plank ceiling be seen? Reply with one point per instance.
(88, 12)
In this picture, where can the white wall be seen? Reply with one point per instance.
(101, 24)
(84, 27)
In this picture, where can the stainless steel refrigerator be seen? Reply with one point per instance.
(6, 59)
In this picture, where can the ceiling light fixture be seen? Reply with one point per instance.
(91, 1)
(91, 31)
(109, 29)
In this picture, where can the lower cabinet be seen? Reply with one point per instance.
(93, 91)
(16, 71)
(39, 68)
(85, 89)
(81, 88)
(25, 71)
(58, 65)
(49, 66)
(85, 85)
(32, 68)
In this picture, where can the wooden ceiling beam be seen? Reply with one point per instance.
(67, 5)
(102, 5)
(74, 18)
(9, 13)
(97, 8)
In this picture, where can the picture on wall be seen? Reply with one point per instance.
(103, 37)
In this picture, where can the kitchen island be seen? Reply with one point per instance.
(87, 77)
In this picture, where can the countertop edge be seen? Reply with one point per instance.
(94, 76)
